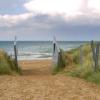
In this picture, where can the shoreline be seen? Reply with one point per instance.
(35, 59)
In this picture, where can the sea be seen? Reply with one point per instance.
(30, 50)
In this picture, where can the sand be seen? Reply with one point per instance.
(37, 83)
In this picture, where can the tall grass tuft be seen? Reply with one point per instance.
(7, 64)
(86, 70)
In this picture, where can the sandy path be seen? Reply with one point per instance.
(37, 83)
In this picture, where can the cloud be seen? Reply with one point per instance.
(10, 20)
(94, 5)
(12, 12)
(43, 27)
(72, 11)
(68, 8)
(43, 18)
(57, 24)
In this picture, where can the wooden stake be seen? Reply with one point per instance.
(81, 56)
(15, 52)
(95, 51)
(55, 52)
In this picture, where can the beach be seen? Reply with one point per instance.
(36, 67)
(38, 83)
(49, 49)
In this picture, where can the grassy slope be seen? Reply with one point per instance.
(82, 70)
(7, 65)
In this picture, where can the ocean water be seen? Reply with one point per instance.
(28, 50)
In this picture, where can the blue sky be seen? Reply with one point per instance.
(42, 19)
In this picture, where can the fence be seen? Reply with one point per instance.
(58, 57)
(16, 53)
(87, 55)
(92, 55)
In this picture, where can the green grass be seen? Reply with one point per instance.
(88, 75)
(94, 77)
(7, 64)
(84, 70)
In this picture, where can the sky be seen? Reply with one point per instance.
(67, 20)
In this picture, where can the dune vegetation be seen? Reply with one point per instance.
(8, 65)
(80, 63)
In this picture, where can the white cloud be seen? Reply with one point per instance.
(94, 5)
(9, 20)
(69, 8)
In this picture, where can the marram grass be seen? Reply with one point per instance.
(86, 69)
(7, 64)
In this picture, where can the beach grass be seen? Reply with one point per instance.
(7, 64)
(82, 69)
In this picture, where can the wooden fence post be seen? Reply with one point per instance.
(95, 52)
(15, 53)
(81, 56)
(97, 55)
(55, 52)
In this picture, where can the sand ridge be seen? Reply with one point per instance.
(37, 83)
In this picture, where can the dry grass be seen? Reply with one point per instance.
(7, 64)
(85, 69)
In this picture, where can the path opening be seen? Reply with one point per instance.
(36, 67)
